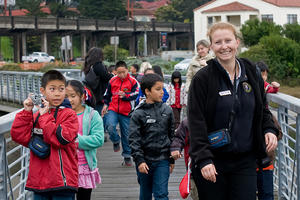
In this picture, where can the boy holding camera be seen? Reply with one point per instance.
(56, 175)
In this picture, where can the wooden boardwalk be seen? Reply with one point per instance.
(120, 182)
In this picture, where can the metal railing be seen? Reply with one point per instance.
(287, 164)
(15, 87)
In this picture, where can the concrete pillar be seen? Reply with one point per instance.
(223, 18)
(132, 45)
(191, 41)
(83, 45)
(17, 48)
(172, 39)
(71, 49)
(24, 47)
(244, 18)
(44, 47)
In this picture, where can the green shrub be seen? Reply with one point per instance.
(109, 52)
(292, 31)
(253, 30)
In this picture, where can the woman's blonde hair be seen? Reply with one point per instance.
(204, 43)
(222, 25)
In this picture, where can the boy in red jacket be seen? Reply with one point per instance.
(121, 93)
(56, 176)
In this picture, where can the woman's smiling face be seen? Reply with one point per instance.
(224, 44)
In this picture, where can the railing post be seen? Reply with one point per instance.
(280, 150)
(298, 154)
(3, 173)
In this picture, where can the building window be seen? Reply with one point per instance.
(291, 18)
(268, 18)
(210, 20)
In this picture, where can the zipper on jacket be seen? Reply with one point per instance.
(119, 97)
(61, 168)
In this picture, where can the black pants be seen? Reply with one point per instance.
(176, 112)
(236, 179)
(84, 194)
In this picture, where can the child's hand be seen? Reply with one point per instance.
(104, 110)
(28, 104)
(121, 94)
(171, 167)
(45, 107)
(176, 154)
(143, 168)
(275, 84)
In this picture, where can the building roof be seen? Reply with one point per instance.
(23, 12)
(284, 3)
(143, 12)
(279, 3)
(153, 5)
(234, 6)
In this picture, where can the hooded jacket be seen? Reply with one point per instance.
(151, 132)
(93, 135)
(59, 171)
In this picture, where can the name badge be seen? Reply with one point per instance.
(38, 131)
(225, 93)
(150, 121)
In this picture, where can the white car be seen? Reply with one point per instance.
(182, 65)
(38, 57)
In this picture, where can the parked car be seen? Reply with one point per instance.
(182, 65)
(38, 57)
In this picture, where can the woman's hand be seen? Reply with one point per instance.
(209, 172)
(143, 168)
(104, 110)
(175, 154)
(271, 141)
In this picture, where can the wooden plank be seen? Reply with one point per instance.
(120, 182)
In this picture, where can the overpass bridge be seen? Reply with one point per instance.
(118, 182)
(91, 31)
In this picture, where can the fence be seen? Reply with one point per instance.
(15, 87)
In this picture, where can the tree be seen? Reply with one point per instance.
(61, 10)
(33, 7)
(102, 9)
(292, 31)
(253, 30)
(179, 10)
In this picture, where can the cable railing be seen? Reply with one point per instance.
(14, 159)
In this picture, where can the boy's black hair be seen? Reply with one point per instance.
(176, 74)
(137, 68)
(149, 80)
(52, 75)
(111, 68)
(262, 66)
(121, 64)
(148, 69)
(157, 70)
(80, 89)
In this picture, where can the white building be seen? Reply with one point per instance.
(238, 11)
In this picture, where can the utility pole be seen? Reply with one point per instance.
(5, 7)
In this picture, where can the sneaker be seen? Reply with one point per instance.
(127, 162)
(105, 138)
(116, 147)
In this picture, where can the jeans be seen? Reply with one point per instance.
(112, 120)
(265, 185)
(156, 181)
(54, 196)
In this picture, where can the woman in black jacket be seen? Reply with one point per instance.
(228, 94)
(93, 60)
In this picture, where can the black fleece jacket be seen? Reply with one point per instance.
(202, 101)
(151, 132)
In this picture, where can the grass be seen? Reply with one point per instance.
(293, 91)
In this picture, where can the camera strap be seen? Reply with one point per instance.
(235, 98)
(37, 118)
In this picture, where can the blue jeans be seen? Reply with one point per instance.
(112, 120)
(156, 181)
(54, 196)
(265, 185)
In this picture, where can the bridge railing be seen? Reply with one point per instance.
(287, 163)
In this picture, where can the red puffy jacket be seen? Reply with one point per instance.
(121, 105)
(60, 170)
